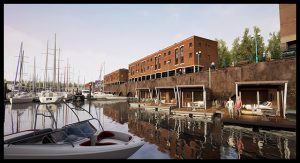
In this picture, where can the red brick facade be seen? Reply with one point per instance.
(116, 77)
(287, 25)
(165, 63)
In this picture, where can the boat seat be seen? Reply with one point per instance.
(105, 134)
(108, 140)
(27, 137)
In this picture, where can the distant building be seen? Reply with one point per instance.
(117, 77)
(287, 25)
(179, 58)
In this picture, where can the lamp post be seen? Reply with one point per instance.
(256, 57)
(198, 53)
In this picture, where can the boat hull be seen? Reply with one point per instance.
(49, 100)
(69, 152)
(16, 100)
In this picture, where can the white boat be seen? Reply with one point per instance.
(21, 98)
(79, 140)
(101, 95)
(116, 98)
(47, 97)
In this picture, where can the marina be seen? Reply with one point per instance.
(165, 135)
(78, 86)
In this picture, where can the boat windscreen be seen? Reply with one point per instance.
(81, 130)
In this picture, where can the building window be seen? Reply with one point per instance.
(164, 54)
(158, 61)
(199, 44)
(155, 61)
(190, 44)
(190, 55)
(169, 61)
(169, 53)
(176, 56)
(181, 55)
(151, 59)
(165, 62)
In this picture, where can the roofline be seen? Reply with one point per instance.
(170, 46)
(190, 86)
(117, 71)
(262, 82)
(166, 87)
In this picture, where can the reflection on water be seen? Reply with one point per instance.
(166, 136)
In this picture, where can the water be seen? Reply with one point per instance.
(166, 136)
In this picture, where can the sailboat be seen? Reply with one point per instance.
(101, 95)
(20, 97)
(47, 97)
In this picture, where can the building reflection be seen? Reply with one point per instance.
(180, 137)
(117, 111)
(198, 138)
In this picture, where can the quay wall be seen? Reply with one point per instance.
(223, 80)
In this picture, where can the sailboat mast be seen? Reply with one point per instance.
(21, 68)
(34, 75)
(46, 69)
(103, 74)
(54, 66)
(65, 79)
(18, 66)
(68, 75)
(58, 84)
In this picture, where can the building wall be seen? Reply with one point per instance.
(223, 80)
(191, 45)
(116, 77)
(287, 23)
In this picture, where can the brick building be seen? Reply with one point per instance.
(117, 77)
(287, 25)
(181, 57)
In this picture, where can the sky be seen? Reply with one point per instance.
(118, 34)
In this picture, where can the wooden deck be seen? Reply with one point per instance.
(254, 121)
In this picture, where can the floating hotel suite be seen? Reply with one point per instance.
(186, 56)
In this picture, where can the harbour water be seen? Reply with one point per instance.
(166, 136)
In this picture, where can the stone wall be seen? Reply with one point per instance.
(223, 80)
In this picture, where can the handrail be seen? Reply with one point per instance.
(72, 110)
(88, 113)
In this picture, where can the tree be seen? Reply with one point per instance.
(246, 47)
(260, 44)
(274, 45)
(224, 56)
(235, 50)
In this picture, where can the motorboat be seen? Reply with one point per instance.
(80, 140)
(78, 96)
(116, 98)
(47, 97)
(101, 96)
(21, 97)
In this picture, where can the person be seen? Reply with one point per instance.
(213, 66)
(238, 106)
(229, 105)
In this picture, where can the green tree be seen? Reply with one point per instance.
(224, 56)
(246, 47)
(274, 45)
(260, 44)
(235, 50)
